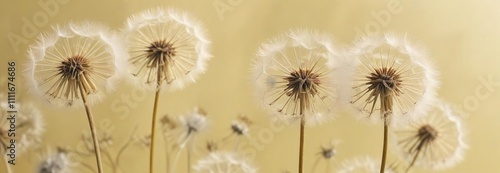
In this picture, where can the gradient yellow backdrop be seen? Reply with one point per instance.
(463, 36)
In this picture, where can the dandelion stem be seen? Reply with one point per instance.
(176, 159)
(315, 165)
(301, 150)
(110, 159)
(384, 149)
(153, 125)
(7, 167)
(97, 149)
(189, 159)
(302, 128)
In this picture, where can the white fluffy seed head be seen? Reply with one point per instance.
(58, 162)
(447, 147)
(191, 124)
(412, 87)
(298, 65)
(101, 51)
(195, 121)
(240, 128)
(165, 45)
(224, 162)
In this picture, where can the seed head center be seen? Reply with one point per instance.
(302, 81)
(74, 66)
(384, 79)
(161, 50)
(427, 133)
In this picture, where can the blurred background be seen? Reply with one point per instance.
(463, 37)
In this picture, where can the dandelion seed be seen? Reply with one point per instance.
(56, 163)
(436, 142)
(224, 162)
(168, 48)
(363, 165)
(394, 81)
(29, 127)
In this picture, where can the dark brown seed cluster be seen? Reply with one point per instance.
(426, 134)
(72, 74)
(161, 50)
(382, 85)
(327, 153)
(302, 84)
(384, 81)
(74, 67)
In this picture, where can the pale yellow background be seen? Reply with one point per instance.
(463, 36)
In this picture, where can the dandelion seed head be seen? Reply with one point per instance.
(195, 121)
(191, 124)
(212, 146)
(167, 47)
(394, 81)
(75, 57)
(294, 77)
(224, 162)
(168, 123)
(439, 139)
(328, 153)
(56, 163)
(241, 125)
